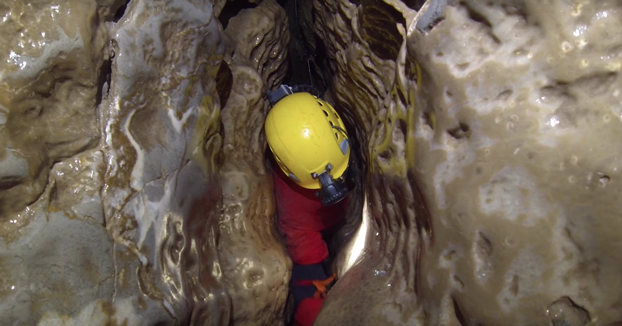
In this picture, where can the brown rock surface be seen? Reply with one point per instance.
(494, 162)
(133, 190)
(255, 265)
(110, 197)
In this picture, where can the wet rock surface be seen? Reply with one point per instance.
(111, 198)
(493, 154)
(133, 189)
(255, 265)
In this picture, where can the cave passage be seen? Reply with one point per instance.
(304, 64)
(484, 167)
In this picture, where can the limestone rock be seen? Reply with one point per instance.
(493, 158)
(133, 190)
(258, 37)
(255, 265)
(162, 136)
(110, 198)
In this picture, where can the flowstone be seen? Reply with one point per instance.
(493, 129)
(133, 190)
(112, 146)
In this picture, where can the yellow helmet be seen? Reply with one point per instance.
(307, 138)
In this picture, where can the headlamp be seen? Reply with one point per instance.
(332, 190)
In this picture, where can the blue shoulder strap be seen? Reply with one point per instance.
(284, 90)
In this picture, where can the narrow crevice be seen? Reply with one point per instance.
(356, 173)
(300, 49)
(118, 14)
(385, 41)
(476, 16)
(10, 182)
(103, 81)
(414, 4)
(480, 18)
(458, 313)
(306, 66)
(224, 83)
(231, 9)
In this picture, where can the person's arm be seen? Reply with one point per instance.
(300, 221)
(305, 247)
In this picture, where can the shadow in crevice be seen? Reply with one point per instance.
(299, 52)
(118, 14)
(356, 179)
(103, 81)
(231, 9)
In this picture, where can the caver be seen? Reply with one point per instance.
(309, 143)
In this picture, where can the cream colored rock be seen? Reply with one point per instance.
(495, 162)
(255, 264)
(109, 197)
(258, 37)
(162, 199)
(52, 259)
(538, 97)
(49, 77)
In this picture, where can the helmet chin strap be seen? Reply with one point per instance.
(332, 191)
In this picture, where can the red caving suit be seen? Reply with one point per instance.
(302, 218)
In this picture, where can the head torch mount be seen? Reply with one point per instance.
(332, 190)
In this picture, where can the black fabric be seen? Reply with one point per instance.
(306, 273)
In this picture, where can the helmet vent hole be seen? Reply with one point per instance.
(331, 123)
(336, 136)
(325, 113)
(320, 103)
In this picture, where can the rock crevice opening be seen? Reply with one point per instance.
(133, 188)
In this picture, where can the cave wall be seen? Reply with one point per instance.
(130, 192)
(255, 265)
(133, 189)
(493, 133)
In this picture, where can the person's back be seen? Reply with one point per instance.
(301, 219)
